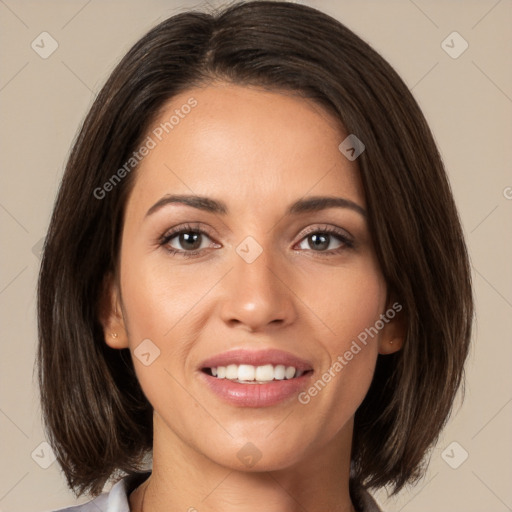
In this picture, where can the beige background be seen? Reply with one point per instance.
(468, 102)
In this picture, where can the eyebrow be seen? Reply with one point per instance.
(305, 205)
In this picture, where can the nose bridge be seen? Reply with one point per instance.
(256, 293)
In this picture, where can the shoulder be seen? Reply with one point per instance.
(116, 500)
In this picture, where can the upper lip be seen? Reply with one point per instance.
(256, 358)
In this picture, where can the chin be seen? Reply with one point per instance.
(254, 458)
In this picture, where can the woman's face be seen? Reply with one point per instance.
(251, 275)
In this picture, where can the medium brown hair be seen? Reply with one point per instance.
(97, 418)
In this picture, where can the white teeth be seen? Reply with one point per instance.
(265, 373)
(279, 372)
(246, 373)
(232, 372)
(289, 372)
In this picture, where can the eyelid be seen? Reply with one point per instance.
(326, 228)
(197, 227)
(185, 227)
(343, 236)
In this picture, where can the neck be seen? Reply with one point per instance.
(183, 479)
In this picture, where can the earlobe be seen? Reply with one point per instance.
(389, 346)
(393, 335)
(110, 315)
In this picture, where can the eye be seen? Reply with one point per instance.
(189, 241)
(186, 241)
(326, 240)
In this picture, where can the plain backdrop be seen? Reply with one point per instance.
(468, 103)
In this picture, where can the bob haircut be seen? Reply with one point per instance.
(95, 413)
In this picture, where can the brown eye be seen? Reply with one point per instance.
(186, 241)
(319, 241)
(326, 241)
(189, 240)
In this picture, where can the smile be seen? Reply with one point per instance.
(250, 374)
(261, 378)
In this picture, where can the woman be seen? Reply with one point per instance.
(254, 278)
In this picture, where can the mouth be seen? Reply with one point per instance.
(261, 378)
(250, 374)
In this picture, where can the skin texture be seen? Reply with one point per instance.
(258, 151)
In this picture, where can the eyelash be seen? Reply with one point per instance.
(187, 228)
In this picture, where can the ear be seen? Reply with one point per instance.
(110, 314)
(393, 334)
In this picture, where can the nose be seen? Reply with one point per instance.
(258, 295)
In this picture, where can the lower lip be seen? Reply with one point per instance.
(256, 395)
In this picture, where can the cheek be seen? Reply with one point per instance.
(347, 301)
(155, 307)
(349, 304)
(158, 297)
(165, 304)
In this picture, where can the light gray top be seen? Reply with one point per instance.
(117, 499)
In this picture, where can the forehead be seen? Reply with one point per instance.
(248, 144)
